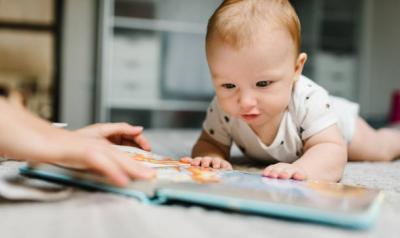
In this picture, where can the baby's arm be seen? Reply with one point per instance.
(324, 159)
(208, 152)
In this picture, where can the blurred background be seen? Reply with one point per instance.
(143, 61)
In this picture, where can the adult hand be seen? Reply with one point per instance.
(27, 137)
(97, 154)
(117, 133)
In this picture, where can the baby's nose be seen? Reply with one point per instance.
(247, 100)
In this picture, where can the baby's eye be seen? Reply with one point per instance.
(263, 83)
(228, 85)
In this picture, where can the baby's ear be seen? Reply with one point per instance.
(301, 60)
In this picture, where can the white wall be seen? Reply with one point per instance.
(382, 67)
(78, 62)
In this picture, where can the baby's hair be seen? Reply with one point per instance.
(237, 21)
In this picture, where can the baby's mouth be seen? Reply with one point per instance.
(250, 117)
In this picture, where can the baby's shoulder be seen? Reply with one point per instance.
(305, 87)
(306, 93)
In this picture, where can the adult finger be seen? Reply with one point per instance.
(140, 140)
(122, 128)
(99, 162)
(131, 167)
(118, 132)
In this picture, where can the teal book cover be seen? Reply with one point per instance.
(314, 201)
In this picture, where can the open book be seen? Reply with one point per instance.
(322, 202)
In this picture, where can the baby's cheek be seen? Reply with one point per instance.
(275, 106)
(229, 107)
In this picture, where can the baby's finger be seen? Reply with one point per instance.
(205, 162)
(267, 171)
(226, 165)
(274, 173)
(298, 175)
(216, 163)
(197, 161)
(286, 172)
(275, 170)
(186, 160)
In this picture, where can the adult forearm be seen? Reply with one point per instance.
(21, 134)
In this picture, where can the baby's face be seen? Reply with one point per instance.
(255, 83)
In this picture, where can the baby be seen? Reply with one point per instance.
(269, 109)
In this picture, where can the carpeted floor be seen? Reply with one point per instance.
(78, 213)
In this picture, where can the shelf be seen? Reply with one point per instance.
(158, 25)
(160, 105)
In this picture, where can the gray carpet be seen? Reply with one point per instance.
(75, 213)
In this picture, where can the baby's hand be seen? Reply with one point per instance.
(208, 162)
(285, 171)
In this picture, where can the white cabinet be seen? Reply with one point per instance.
(135, 69)
(152, 67)
(336, 73)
